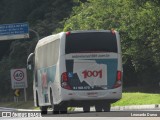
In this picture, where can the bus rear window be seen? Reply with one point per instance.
(91, 42)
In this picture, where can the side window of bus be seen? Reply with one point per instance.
(52, 52)
(47, 55)
(56, 50)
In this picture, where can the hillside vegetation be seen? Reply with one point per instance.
(136, 20)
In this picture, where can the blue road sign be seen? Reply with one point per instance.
(14, 31)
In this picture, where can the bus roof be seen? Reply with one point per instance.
(48, 39)
(54, 37)
(84, 31)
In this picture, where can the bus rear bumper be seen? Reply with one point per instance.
(81, 103)
(74, 98)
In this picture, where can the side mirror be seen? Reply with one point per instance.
(30, 61)
(29, 66)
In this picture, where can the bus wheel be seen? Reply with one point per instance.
(107, 107)
(43, 109)
(86, 108)
(63, 109)
(56, 109)
(37, 102)
(98, 108)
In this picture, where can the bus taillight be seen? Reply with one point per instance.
(65, 85)
(113, 32)
(64, 77)
(68, 33)
(119, 75)
(118, 82)
(64, 81)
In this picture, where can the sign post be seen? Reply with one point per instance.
(14, 31)
(19, 80)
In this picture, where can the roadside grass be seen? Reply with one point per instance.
(138, 98)
(18, 105)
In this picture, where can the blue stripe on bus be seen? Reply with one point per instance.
(112, 66)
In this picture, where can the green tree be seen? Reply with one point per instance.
(137, 22)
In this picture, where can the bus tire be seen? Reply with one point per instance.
(43, 110)
(54, 107)
(37, 101)
(98, 108)
(86, 108)
(63, 109)
(107, 107)
(51, 100)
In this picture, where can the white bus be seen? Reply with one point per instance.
(77, 69)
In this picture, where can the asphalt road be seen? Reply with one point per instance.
(120, 113)
(7, 109)
(82, 118)
(152, 114)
